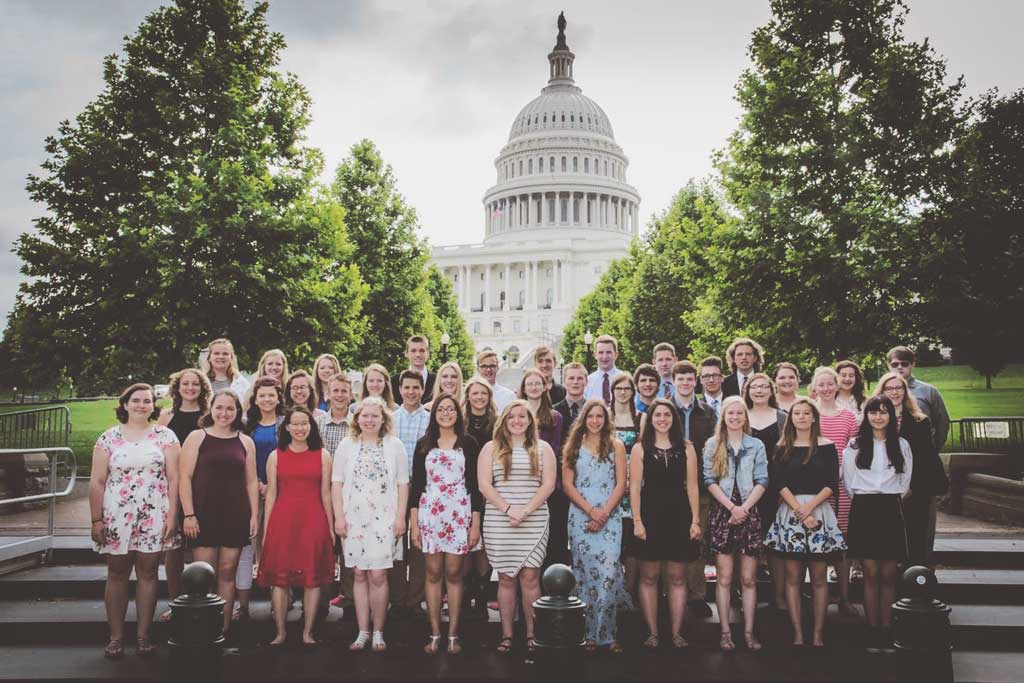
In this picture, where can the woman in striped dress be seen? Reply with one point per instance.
(516, 473)
(838, 425)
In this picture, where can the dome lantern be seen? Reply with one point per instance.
(561, 57)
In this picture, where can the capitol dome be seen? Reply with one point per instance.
(561, 168)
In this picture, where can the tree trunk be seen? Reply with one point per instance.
(988, 380)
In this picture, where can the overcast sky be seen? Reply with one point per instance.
(437, 84)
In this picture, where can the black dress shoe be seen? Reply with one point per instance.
(698, 608)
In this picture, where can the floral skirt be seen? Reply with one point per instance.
(790, 538)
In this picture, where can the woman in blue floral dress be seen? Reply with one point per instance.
(594, 478)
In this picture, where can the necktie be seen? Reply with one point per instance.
(714, 406)
(574, 411)
(606, 391)
(666, 389)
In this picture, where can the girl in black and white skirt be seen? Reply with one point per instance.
(877, 465)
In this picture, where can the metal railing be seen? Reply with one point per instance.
(989, 435)
(35, 428)
(54, 457)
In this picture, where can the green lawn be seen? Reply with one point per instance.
(963, 389)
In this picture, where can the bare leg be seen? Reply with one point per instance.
(378, 597)
(748, 578)
(227, 567)
(676, 572)
(280, 597)
(843, 570)
(723, 589)
(507, 603)
(147, 567)
(648, 590)
(361, 598)
(777, 566)
(819, 586)
(871, 581)
(529, 582)
(310, 604)
(453, 579)
(630, 564)
(794, 579)
(433, 563)
(115, 594)
(887, 592)
(174, 563)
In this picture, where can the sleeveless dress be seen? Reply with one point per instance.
(628, 437)
(445, 512)
(292, 557)
(769, 503)
(135, 498)
(509, 548)
(183, 423)
(595, 555)
(219, 494)
(839, 429)
(665, 509)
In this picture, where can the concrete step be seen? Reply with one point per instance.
(979, 552)
(331, 662)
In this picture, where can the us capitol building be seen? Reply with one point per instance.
(559, 212)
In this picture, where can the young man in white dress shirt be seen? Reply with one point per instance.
(487, 367)
(599, 383)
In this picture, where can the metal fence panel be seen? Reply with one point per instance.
(36, 428)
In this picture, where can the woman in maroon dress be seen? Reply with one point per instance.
(298, 548)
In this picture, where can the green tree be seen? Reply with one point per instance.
(181, 205)
(600, 312)
(391, 256)
(975, 240)
(448, 319)
(844, 138)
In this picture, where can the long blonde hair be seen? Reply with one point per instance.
(260, 372)
(437, 382)
(720, 456)
(321, 387)
(232, 371)
(503, 440)
(492, 412)
(571, 450)
(386, 396)
(909, 402)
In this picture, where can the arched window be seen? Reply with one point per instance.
(497, 327)
(545, 118)
(552, 164)
(564, 164)
(575, 164)
(586, 165)
(501, 299)
(520, 167)
(529, 167)
(606, 167)
(522, 298)
(563, 117)
(540, 165)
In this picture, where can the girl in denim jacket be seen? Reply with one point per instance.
(736, 475)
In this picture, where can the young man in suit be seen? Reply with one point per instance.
(544, 360)
(575, 377)
(745, 357)
(417, 351)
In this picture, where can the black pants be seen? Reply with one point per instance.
(558, 530)
(918, 513)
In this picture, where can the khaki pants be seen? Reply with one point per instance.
(695, 582)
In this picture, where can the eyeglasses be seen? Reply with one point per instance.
(893, 390)
(625, 388)
(445, 410)
(488, 367)
(760, 386)
(899, 364)
(717, 375)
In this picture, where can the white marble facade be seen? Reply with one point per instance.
(560, 211)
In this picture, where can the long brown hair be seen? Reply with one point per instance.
(491, 413)
(313, 399)
(503, 441)
(544, 417)
(571, 449)
(746, 390)
(205, 390)
(784, 449)
(625, 377)
(386, 396)
(720, 456)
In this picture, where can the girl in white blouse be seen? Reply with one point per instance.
(877, 465)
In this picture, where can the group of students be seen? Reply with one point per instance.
(630, 478)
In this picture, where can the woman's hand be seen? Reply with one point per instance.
(191, 527)
(738, 514)
(170, 529)
(639, 530)
(414, 537)
(517, 513)
(598, 514)
(263, 490)
(810, 522)
(474, 535)
(98, 532)
(398, 528)
(803, 510)
(254, 526)
(695, 532)
(341, 526)
(593, 526)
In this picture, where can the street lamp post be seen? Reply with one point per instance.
(445, 341)
(588, 341)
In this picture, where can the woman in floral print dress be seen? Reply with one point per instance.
(444, 518)
(594, 477)
(133, 497)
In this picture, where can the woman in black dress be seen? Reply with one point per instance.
(666, 515)
(478, 407)
(766, 423)
(189, 391)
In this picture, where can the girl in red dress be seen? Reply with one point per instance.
(298, 498)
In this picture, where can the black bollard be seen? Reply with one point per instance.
(921, 629)
(196, 642)
(559, 627)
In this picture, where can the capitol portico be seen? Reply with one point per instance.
(559, 212)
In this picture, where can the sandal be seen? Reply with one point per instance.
(239, 614)
(651, 642)
(454, 647)
(432, 648)
(614, 648)
(504, 646)
(531, 644)
(752, 643)
(114, 650)
(143, 647)
(678, 642)
(165, 617)
(361, 641)
(378, 642)
(725, 642)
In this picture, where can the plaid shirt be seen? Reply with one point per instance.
(409, 427)
(331, 432)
